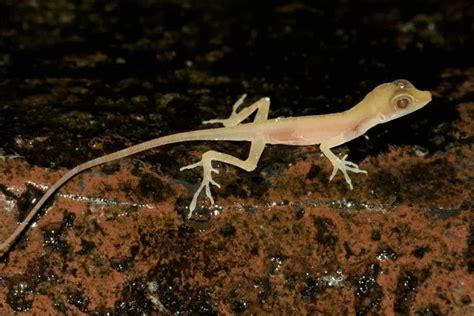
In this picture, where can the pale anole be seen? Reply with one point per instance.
(384, 103)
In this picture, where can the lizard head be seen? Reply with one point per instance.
(397, 98)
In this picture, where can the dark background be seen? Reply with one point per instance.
(74, 70)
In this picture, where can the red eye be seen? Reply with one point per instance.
(402, 103)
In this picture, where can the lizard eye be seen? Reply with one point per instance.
(402, 101)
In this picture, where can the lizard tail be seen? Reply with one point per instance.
(205, 134)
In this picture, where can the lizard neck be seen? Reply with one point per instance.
(365, 114)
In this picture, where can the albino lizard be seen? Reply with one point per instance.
(386, 102)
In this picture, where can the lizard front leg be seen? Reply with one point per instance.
(340, 164)
(208, 157)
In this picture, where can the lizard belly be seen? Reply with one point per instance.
(301, 132)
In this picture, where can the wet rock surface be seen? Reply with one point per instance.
(79, 80)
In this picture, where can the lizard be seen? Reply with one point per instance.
(386, 102)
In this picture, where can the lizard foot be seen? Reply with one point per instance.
(344, 166)
(233, 119)
(205, 183)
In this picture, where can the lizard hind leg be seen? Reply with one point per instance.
(262, 107)
(208, 157)
(207, 170)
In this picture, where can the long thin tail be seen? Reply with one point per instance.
(205, 134)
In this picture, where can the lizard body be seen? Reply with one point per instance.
(386, 102)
